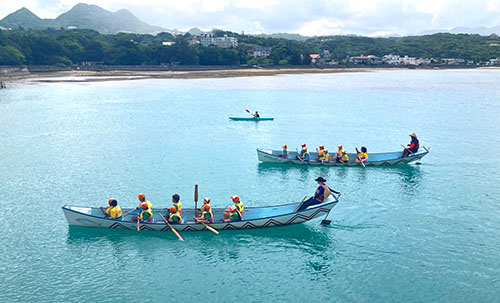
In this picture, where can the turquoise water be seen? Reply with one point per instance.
(428, 233)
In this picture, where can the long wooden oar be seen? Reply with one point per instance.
(210, 228)
(171, 228)
(300, 204)
(138, 224)
(357, 154)
(325, 221)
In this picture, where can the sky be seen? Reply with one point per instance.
(312, 17)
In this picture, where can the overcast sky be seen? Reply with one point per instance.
(311, 17)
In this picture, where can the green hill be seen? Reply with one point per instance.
(83, 16)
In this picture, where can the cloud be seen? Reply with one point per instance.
(314, 17)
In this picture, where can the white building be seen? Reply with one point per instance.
(262, 51)
(226, 41)
(206, 39)
(167, 43)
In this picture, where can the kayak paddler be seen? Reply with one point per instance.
(325, 157)
(321, 194)
(234, 213)
(412, 147)
(256, 115)
(362, 156)
(113, 211)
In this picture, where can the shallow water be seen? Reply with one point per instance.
(427, 233)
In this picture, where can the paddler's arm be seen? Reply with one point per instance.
(334, 191)
(103, 212)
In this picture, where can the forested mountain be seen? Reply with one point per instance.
(67, 47)
(83, 16)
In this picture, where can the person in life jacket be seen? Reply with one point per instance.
(321, 194)
(284, 153)
(304, 155)
(341, 156)
(325, 158)
(176, 203)
(113, 211)
(137, 212)
(206, 212)
(147, 213)
(320, 151)
(174, 217)
(234, 213)
(256, 115)
(363, 155)
(412, 147)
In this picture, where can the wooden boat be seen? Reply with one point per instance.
(250, 119)
(253, 217)
(374, 159)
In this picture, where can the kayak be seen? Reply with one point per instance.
(253, 217)
(374, 159)
(250, 119)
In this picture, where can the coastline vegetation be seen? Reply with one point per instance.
(70, 47)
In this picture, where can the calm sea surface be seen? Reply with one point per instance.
(428, 233)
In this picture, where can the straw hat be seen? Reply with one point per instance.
(413, 135)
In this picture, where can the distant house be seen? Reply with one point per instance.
(314, 57)
(206, 39)
(495, 61)
(370, 59)
(71, 27)
(167, 43)
(262, 51)
(193, 41)
(453, 61)
(226, 42)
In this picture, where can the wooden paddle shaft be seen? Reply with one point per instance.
(138, 224)
(357, 154)
(171, 228)
(196, 199)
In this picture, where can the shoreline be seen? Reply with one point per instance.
(122, 75)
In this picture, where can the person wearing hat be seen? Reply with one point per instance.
(236, 213)
(320, 151)
(206, 212)
(412, 147)
(113, 211)
(363, 155)
(304, 155)
(174, 217)
(325, 158)
(284, 153)
(176, 203)
(146, 214)
(321, 194)
(341, 156)
(137, 212)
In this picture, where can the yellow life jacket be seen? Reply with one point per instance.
(325, 157)
(345, 157)
(175, 218)
(363, 156)
(114, 212)
(178, 205)
(206, 211)
(321, 152)
(149, 211)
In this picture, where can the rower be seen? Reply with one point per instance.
(325, 158)
(412, 147)
(138, 210)
(321, 194)
(113, 211)
(234, 213)
(176, 203)
(284, 153)
(174, 217)
(256, 115)
(341, 156)
(320, 151)
(304, 155)
(362, 156)
(206, 212)
(147, 213)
